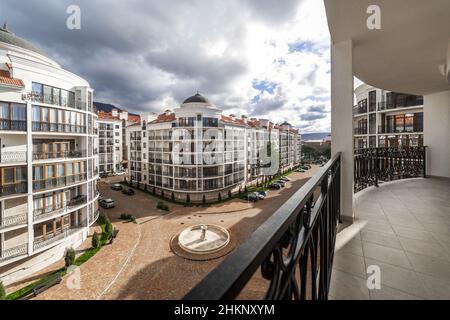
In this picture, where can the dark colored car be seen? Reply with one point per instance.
(116, 187)
(128, 192)
(251, 196)
(263, 193)
(280, 182)
(275, 186)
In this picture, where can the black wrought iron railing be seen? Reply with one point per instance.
(375, 165)
(13, 125)
(292, 252)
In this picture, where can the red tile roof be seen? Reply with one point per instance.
(106, 116)
(6, 79)
(237, 121)
(134, 118)
(165, 118)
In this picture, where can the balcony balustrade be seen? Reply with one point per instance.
(388, 130)
(58, 181)
(13, 156)
(57, 127)
(359, 110)
(12, 188)
(59, 155)
(385, 105)
(13, 125)
(49, 239)
(9, 221)
(360, 130)
(43, 213)
(293, 250)
(13, 252)
(375, 165)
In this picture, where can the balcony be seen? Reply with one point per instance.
(360, 131)
(50, 239)
(402, 228)
(385, 105)
(13, 188)
(57, 127)
(15, 220)
(388, 130)
(13, 156)
(13, 252)
(59, 155)
(290, 256)
(359, 110)
(58, 182)
(13, 125)
(44, 213)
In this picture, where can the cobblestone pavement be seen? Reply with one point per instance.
(140, 264)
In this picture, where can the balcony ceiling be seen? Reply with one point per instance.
(403, 56)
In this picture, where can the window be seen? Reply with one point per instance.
(4, 110)
(116, 134)
(48, 95)
(117, 126)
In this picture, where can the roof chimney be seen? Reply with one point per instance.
(232, 116)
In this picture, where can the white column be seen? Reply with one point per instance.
(436, 131)
(342, 119)
(30, 203)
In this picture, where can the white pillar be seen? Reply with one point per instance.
(342, 119)
(30, 202)
(436, 131)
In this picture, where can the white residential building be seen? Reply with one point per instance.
(386, 119)
(197, 154)
(48, 167)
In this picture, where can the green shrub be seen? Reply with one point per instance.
(102, 219)
(2, 292)
(173, 196)
(125, 216)
(188, 198)
(69, 259)
(162, 194)
(108, 227)
(245, 190)
(229, 194)
(95, 240)
(219, 197)
(204, 199)
(132, 219)
(162, 206)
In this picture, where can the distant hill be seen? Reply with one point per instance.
(106, 107)
(314, 136)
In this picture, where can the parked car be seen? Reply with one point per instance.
(116, 187)
(128, 192)
(107, 203)
(119, 173)
(281, 182)
(251, 196)
(300, 170)
(263, 193)
(274, 186)
(286, 179)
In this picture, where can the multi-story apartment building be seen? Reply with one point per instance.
(386, 119)
(111, 123)
(197, 153)
(48, 165)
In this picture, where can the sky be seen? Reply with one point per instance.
(260, 58)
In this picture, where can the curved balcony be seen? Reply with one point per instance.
(58, 182)
(72, 154)
(13, 188)
(38, 126)
(13, 157)
(11, 221)
(14, 252)
(49, 240)
(13, 125)
(47, 213)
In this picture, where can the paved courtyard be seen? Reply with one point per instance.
(140, 264)
(403, 228)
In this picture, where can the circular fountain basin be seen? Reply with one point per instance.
(203, 239)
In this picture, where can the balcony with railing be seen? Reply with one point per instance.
(14, 220)
(391, 130)
(13, 125)
(13, 188)
(52, 238)
(13, 252)
(290, 256)
(45, 213)
(38, 126)
(12, 156)
(357, 110)
(58, 181)
(72, 154)
(360, 131)
(389, 105)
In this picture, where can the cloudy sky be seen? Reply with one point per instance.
(262, 58)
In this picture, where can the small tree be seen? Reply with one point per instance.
(95, 240)
(173, 197)
(245, 189)
(219, 197)
(69, 259)
(239, 192)
(145, 187)
(188, 198)
(162, 194)
(229, 194)
(2, 292)
(204, 200)
(154, 190)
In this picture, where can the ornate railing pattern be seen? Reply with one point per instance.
(14, 252)
(16, 219)
(13, 156)
(293, 250)
(375, 165)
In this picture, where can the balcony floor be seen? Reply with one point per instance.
(404, 228)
